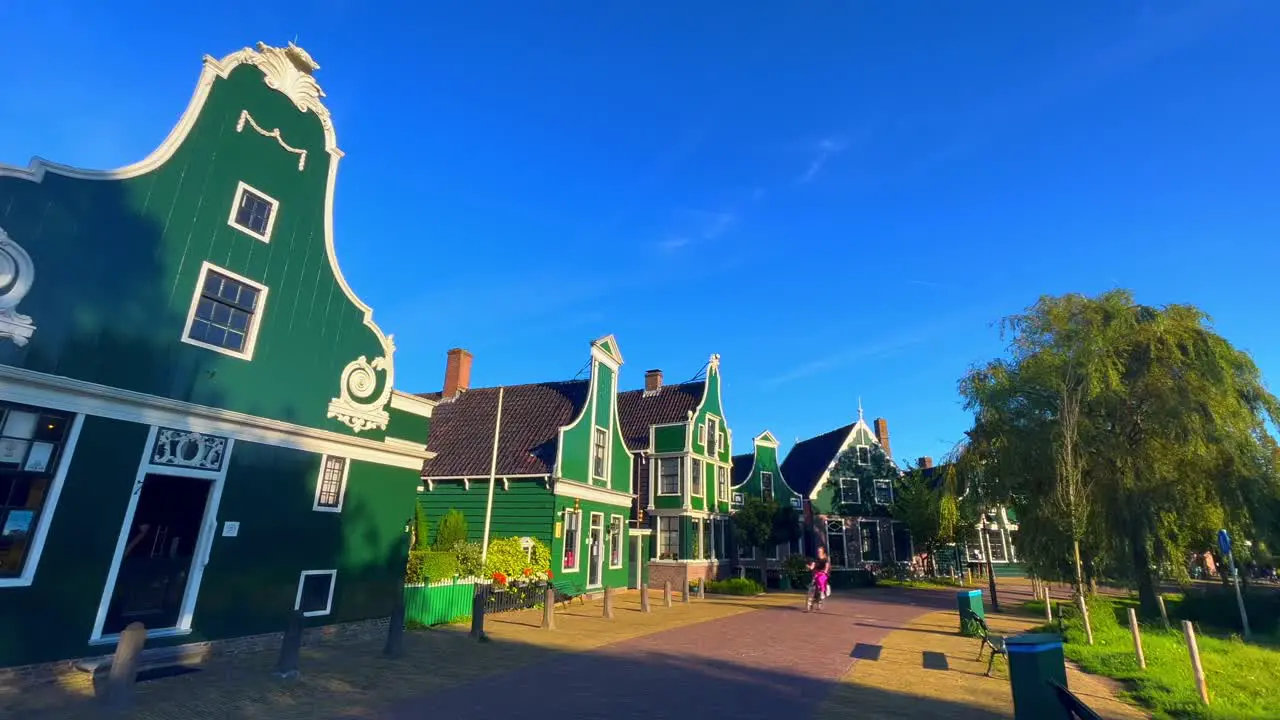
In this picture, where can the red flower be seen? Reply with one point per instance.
(527, 572)
(500, 578)
(548, 574)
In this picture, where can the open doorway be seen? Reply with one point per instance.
(162, 543)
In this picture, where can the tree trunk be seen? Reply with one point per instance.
(1142, 570)
(1080, 599)
(764, 569)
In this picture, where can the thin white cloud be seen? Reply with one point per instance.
(698, 226)
(827, 148)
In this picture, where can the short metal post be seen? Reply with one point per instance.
(395, 630)
(644, 597)
(666, 593)
(290, 648)
(477, 612)
(549, 609)
(1196, 667)
(1137, 639)
(124, 668)
(608, 603)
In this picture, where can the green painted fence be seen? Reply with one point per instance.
(438, 603)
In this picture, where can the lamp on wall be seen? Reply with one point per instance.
(577, 504)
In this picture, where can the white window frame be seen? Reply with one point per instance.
(696, 551)
(702, 435)
(44, 519)
(342, 484)
(875, 490)
(597, 446)
(616, 521)
(763, 475)
(235, 206)
(841, 484)
(255, 320)
(713, 433)
(577, 542)
(857, 454)
(862, 554)
(661, 534)
(679, 461)
(844, 541)
(722, 484)
(698, 480)
(302, 579)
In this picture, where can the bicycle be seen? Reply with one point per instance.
(817, 591)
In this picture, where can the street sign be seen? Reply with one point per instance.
(1224, 542)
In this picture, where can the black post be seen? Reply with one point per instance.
(395, 630)
(477, 612)
(124, 668)
(290, 648)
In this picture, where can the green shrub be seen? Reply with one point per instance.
(1216, 608)
(509, 557)
(468, 556)
(735, 586)
(421, 530)
(428, 566)
(796, 568)
(452, 530)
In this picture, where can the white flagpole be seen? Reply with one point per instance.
(493, 479)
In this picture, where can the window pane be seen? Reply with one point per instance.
(30, 450)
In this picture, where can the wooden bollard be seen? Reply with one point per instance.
(1164, 614)
(1137, 639)
(477, 613)
(1048, 604)
(124, 668)
(290, 648)
(684, 596)
(549, 609)
(644, 597)
(608, 603)
(666, 593)
(702, 589)
(1196, 667)
(395, 630)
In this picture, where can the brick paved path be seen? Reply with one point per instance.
(773, 663)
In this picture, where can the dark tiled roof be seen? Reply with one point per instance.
(742, 467)
(808, 459)
(671, 404)
(462, 429)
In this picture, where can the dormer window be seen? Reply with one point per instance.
(253, 212)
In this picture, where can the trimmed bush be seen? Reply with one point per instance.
(451, 531)
(426, 566)
(735, 586)
(468, 556)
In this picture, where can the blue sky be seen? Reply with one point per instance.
(838, 197)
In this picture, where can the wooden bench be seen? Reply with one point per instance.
(566, 592)
(988, 640)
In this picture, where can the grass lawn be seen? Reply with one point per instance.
(1243, 680)
(923, 584)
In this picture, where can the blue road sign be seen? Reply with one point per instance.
(1224, 542)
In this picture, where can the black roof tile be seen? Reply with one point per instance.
(808, 459)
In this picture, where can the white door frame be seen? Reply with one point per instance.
(592, 529)
(204, 542)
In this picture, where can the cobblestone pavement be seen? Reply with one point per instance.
(773, 663)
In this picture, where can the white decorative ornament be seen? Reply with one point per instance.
(245, 116)
(289, 70)
(356, 405)
(17, 274)
(183, 448)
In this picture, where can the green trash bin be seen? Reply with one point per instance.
(1034, 660)
(970, 604)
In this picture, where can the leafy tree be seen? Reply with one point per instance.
(452, 530)
(924, 501)
(421, 529)
(762, 524)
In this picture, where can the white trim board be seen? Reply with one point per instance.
(204, 543)
(844, 445)
(45, 517)
(575, 489)
(52, 391)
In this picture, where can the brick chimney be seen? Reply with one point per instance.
(926, 462)
(652, 380)
(457, 372)
(881, 427)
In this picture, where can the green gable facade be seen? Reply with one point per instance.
(200, 430)
(682, 445)
(560, 470)
(759, 474)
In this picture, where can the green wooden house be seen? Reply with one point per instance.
(542, 460)
(994, 533)
(682, 447)
(847, 476)
(759, 474)
(198, 426)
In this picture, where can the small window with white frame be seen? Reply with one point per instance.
(572, 533)
(599, 453)
(696, 487)
(253, 212)
(226, 312)
(766, 486)
(722, 484)
(670, 473)
(668, 538)
(884, 492)
(864, 455)
(702, 434)
(849, 491)
(712, 444)
(615, 541)
(331, 484)
(315, 592)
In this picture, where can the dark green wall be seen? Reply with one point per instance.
(132, 251)
(766, 460)
(617, 577)
(408, 426)
(670, 438)
(526, 509)
(53, 618)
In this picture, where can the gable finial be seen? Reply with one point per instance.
(859, 408)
